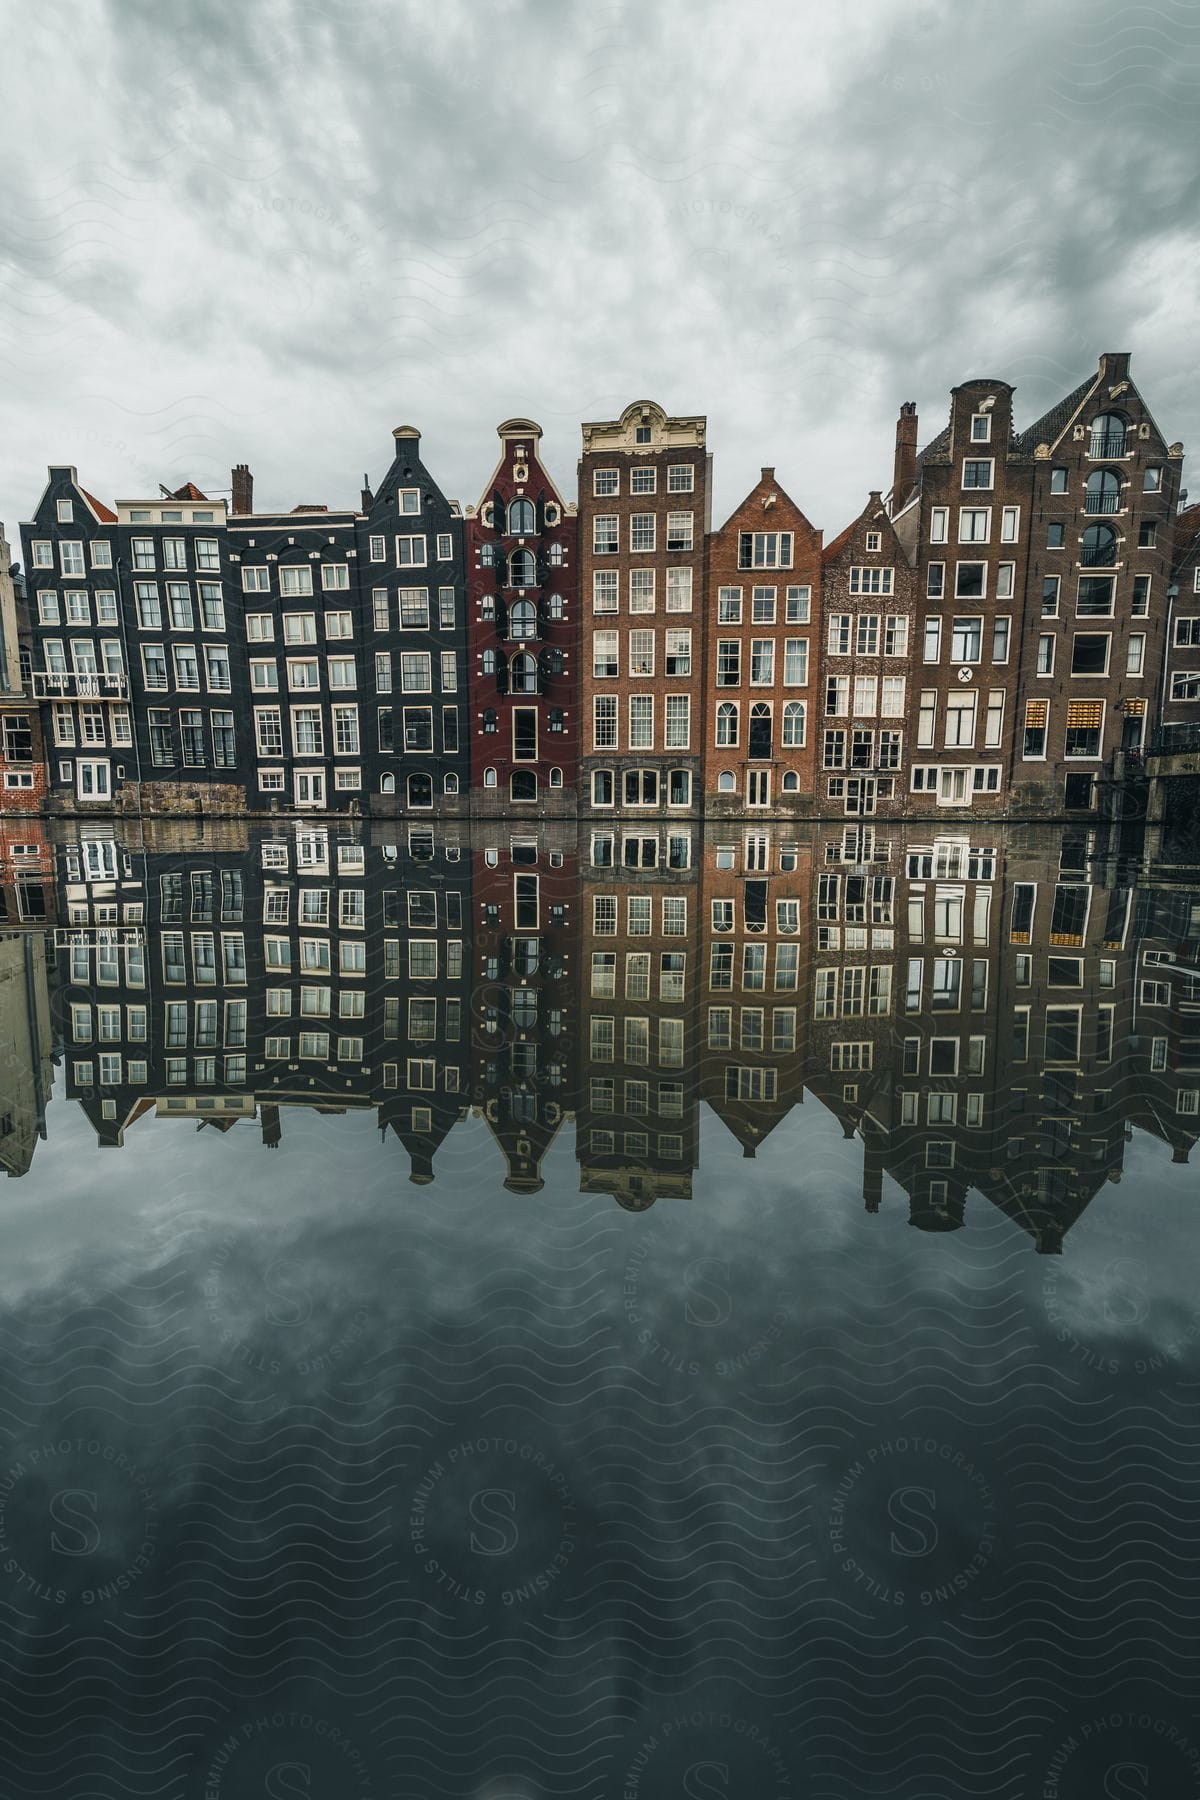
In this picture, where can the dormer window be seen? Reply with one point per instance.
(642, 435)
(981, 428)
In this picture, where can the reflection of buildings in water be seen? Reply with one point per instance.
(995, 1013)
(754, 968)
(26, 1067)
(525, 1006)
(637, 1135)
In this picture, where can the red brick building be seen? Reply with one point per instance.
(522, 604)
(1181, 689)
(763, 584)
(644, 513)
(864, 674)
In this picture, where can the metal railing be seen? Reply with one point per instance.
(1107, 443)
(73, 686)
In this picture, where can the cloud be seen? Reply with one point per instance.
(270, 234)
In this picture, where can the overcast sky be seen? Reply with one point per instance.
(269, 233)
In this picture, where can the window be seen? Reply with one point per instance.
(837, 638)
(679, 532)
(1135, 655)
(960, 720)
(763, 549)
(641, 590)
(680, 478)
(605, 482)
(1085, 720)
(641, 532)
(970, 580)
(643, 480)
(727, 724)
(762, 662)
(641, 722)
(966, 640)
(795, 662)
(641, 653)
(410, 552)
(679, 590)
(678, 722)
(871, 580)
(977, 473)
(729, 662)
(1140, 606)
(1055, 537)
(974, 524)
(679, 653)
(1089, 653)
(933, 640)
(604, 722)
(605, 596)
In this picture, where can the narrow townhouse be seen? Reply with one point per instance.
(644, 514)
(864, 674)
(522, 601)
(412, 577)
(763, 597)
(1099, 570)
(1179, 711)
(961, 509)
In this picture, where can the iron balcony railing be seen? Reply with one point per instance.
(1107, 443)
(73, 686)
(1175, 737)
(1102, 502)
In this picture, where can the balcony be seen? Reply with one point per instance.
(92, 686)
(1102, 502)
(1106, 443)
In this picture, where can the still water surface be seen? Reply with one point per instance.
(594, 1421)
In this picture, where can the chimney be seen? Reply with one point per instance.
(243, 490)
(367, 498)
(768, 475)
(904, 473)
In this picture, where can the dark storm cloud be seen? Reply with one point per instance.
(272, 233)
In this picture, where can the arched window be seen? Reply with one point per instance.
(1103, 492)
(793, 725)
(420, 790)
(523, 785)
(759, 741)
(522, 569)
(522, 620)
(726, 782)
(489, 662)
(521, 520)
(1099, 547)
(388, 784)
(727, 723)
(557, 609)
(791, 782)
(522, 674)
(489, 720)
(489, 778)
(1106, 435)
(556, 779)
(450, 785)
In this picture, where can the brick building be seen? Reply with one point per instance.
(761, 612)
(754, 973)
(864, 670)
(525, 1025)
(962, 510)
(1181, 687)
(522, 604)
(644, 512)
(1099, 566)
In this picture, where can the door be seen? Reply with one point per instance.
(758, 787)
(310, 787)
(94, 781)
(860, 794)
(760, 731)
